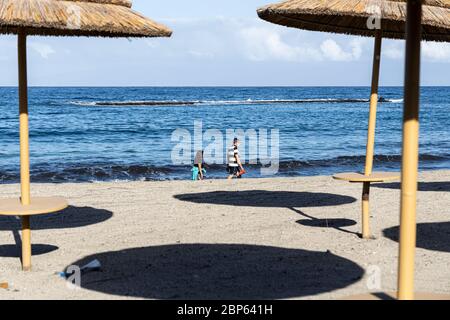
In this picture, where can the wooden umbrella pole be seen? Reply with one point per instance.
(373, 104)
(410, 158)
(371, 134)
(24, 148)
(23, 110)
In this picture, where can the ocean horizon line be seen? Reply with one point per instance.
(223, 86)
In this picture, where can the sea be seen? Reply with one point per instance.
(153, 133)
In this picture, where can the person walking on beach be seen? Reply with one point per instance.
(234, 168)
(198, 172)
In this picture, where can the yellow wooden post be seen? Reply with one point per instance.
(373, 104)
(366, 211)
(371, 135)
(410, 152)
(24, 148)
(26, 243)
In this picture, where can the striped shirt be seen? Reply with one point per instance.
(232, 153)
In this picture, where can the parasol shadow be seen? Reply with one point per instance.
(439, 186)
(433, 236)
(219, 271)
(279, 199)
(72, 217)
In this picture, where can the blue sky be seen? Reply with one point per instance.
(216, 43)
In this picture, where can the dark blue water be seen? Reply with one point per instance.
(102, 134)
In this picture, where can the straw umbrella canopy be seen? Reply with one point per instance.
(97, 18)
(426, 19)
(352, 16)
(376, 18)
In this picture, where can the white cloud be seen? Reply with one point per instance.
(262, 43)
(436, 51)
(44, 50)
(153, 43)
(357, 46)
(394, 52)
(431, 51)
(252, 39)
(201, 54)
(333, 51)
(8, 49)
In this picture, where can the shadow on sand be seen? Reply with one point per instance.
(14, 250)
(268, 199)
(423, 186)
(219, 271)
(72, 217)
(430, 236)
(280, 199)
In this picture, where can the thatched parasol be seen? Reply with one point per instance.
(377, 18)
(352, 17)
(103, 18)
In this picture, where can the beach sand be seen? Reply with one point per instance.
(281, 238)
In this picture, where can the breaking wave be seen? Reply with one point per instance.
(227, 102)
(98, 172)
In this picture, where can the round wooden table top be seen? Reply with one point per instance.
(393, 296)
(374, 177)
(41, 205)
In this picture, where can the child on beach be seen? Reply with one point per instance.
(198, 172)
(234, 168)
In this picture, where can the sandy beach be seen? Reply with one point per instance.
(283, 238)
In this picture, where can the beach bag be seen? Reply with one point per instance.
(195, 173)
(241, 173)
